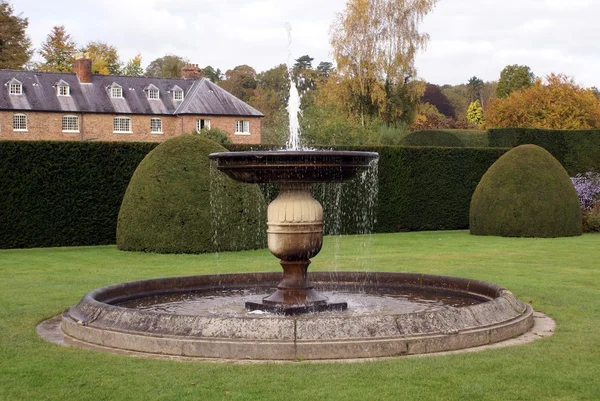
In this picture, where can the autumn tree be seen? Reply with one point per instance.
(168, 66)
(133, 67)
(512, 78)
(375, 43)
(15, 45)
(58, 51)
(555, 103)
(105, 58)
(240, 82)
(271, 98)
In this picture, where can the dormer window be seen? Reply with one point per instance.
(15, 87)
(62, 88)
(116, 91)
(153, 92)
(177, 93)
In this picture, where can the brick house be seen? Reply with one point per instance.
(81, 106)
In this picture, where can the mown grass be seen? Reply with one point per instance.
(557, 276)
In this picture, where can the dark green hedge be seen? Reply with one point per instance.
(577, 151)
(63, 193)
(447, 137)
(69, 193)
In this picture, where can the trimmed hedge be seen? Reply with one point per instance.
(168, 205)
(63, 193)
(526, 193)
(577, 151)
(69, 193)
(447, 137)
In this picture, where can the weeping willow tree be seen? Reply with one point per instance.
(374, 44)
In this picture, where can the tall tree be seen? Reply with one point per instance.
(134, 67)
(375, 43)
(214, 75)
(475, 89)
(168, 66)
(15, 45)
(512, 78)
(58, 51)
(325, 68)
(240, 82)
(556, 103)
(303, 63)
(105, 59)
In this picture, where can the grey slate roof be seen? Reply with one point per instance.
(201, 97)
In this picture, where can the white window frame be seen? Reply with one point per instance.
(153, 94)
(156, 126)
(177, 95)
(15, 89)
(122, 125)
(63, 90)
(116, 92)
(242, 127)
(19, 119)
(71, 123)
(200, 122)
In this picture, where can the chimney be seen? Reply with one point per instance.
(83, 68)
(191, 71)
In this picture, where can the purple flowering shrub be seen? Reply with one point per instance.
(588, 188)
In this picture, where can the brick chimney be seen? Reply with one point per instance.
(191, 71)
(83, 68)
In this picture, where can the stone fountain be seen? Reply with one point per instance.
(239, 317)
(294, 218)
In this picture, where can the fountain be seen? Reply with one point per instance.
(322, 315)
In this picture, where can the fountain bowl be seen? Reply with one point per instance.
(99, 322)
(288, 166)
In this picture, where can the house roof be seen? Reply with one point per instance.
(201, 96)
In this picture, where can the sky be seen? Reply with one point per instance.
(467, 37)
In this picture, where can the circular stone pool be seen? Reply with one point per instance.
(389, 314)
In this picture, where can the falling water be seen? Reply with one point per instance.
(293, 107)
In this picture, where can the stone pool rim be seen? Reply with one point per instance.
(95, 321)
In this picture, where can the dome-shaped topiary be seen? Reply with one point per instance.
(432, 138)
(526, 193)
(167, 207)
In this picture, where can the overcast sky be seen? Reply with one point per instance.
(468, 37)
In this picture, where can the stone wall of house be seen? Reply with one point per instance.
(48, 126)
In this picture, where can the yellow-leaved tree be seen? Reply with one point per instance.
(557, 102)
(374, 44)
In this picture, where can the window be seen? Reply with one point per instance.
(19, 122)
(242, 127)
(63, 91)
(116, 91)
(178, 94)
(156, 126)
(15, 88)
(122, 124)
(152, 93)
(202, 124)
(70, 124)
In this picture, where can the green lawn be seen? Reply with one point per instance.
(560, 277)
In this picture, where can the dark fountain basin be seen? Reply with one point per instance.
(492, 314)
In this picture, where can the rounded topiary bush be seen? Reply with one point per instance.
(432, 138)
(526, 193)
(171, 205)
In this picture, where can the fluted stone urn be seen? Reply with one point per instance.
(294, 218)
